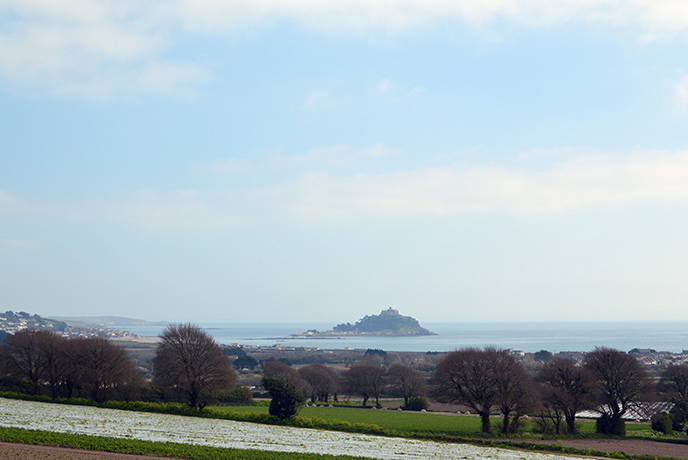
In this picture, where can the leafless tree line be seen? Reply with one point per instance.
(89, 367)
(488, 380)
(189, 366)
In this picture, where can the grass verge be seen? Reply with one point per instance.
(161, 449)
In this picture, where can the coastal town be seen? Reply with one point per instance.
(11, 322)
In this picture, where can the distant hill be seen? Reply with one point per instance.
(388, 323)
(11, 323)
(105, 321)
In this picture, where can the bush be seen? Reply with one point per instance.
(680, 414)
(608, 425)
(239, 396)
(287, 396)
(544, 426)
(663, 422)
(417, 403)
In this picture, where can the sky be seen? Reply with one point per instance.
(301, 160)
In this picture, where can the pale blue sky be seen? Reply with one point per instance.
(217, 160)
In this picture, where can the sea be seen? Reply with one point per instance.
(531, 337)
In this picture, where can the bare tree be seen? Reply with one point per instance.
(107, 371)
(189, 360)
(322, 380)
(675, 383)
(622, 382)
(467, 376)
(366, 380)
(73, 375)
(55, 364)
(405, 381)
(24, 353)
(513, 389)
(567, 388)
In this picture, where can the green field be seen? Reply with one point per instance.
(133, 446)
(415, 422)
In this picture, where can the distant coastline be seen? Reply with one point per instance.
(527, 336)
(105, 321)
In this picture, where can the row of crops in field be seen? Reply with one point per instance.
(214, 433)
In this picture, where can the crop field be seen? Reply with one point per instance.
(164, 428)
(138, 447)
(388, 420)
(413, 422)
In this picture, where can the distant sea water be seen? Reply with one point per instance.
(529, 337)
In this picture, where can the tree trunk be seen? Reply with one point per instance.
(505, 422)
(485, 419)
(571, 422)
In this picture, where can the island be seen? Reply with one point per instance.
(388, 323)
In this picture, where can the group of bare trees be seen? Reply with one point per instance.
(90, 367)
(489, 380)
(289, 387)
(189, 366)
(322, 381)
(485, 380)
(371, 381)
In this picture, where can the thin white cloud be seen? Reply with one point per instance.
(323, 158)
(170, 77)
(88, 48)
(96, 48)
(578, 184)
(225, 166)
(335, 155)
(12, 204)
(681, 90)
(378, 150)
(396, 15)
(318, 100)
(189, 209)
(15, 243)
(383, 86)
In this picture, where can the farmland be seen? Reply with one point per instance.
(412, 422)
(162, 428)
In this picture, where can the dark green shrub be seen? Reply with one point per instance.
(239, 396)
(288, 394)
(608, 425)
(245, 362)
(417, 403)
(662, 422)
(544, 426)
(680, 413)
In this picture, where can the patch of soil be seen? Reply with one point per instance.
(628, 446)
